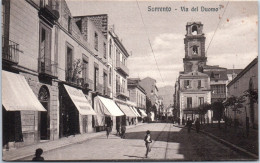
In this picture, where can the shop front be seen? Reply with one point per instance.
(129, 117)
(74, 111)
(20, 108)
(107, 113)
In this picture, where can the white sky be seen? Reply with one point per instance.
(235, 42)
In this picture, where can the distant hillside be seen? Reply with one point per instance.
(166, 93)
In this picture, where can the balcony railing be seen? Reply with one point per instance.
(121, 67)
(10, 51)
(47, 67)
(218, 95)
(49, 10)
(121, 91)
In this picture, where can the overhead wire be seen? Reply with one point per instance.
(149, 41)
(217, 27)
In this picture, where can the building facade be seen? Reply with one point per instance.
(245, 81)
(149, 85)
(193, 84)
(60, 57)
(218, 82)
(137, 93)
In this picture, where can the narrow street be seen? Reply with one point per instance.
(169, 143)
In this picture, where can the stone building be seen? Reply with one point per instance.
(193, 84)
(149, 85)
(218, 82)
(246, 80)
(119, 72)
(137, 93)
(28, 53)
(60, 60)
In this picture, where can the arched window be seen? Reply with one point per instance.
(194, 30)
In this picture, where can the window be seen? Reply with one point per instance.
(189, 102)
(45, 49)
(110, 76)
(85, 70)
(186, 83)
(201, 101)
(199, 83)
(105, 83)
(96, 41)
(105, 50)
(218, 89)
(69, 67)
(110, 48)
(96, 75)
(117, 83)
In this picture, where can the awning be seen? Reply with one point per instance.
(128, 111)
(80, 101)
(109, 107)
(17, 94)
(143, 113)
(136, 112)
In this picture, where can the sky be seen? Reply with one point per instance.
(235, 43)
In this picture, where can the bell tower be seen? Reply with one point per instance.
(194, 41)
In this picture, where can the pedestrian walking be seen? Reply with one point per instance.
(197, 125)
(189, 124)
(107, 131)
(38, 153)
(148, 142)
(123, 130)
(117, 129)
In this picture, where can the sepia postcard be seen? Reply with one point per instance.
(129, 80)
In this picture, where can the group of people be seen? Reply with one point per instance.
(197, 125)
(120, 130)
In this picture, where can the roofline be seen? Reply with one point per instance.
(250, 65)
(121, 46)
(90, 15)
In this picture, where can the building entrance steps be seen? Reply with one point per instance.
(26, 151)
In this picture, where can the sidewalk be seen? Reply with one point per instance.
(236, 141)
(19, 153)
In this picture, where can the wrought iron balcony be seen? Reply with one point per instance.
(121, 67)
(49, 10)
(10, 51)
(120, 91)
(47, 67)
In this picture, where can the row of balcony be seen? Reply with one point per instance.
(121, 67)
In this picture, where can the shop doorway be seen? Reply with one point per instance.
(44, 117)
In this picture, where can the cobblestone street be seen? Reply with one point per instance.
(169, 143)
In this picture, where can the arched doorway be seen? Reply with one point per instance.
(44, 117)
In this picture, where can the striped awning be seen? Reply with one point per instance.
(127, 110)
(17, 94)
(80, 101)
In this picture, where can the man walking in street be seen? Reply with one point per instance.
(197, 125)
(148, 142)
(189, 124)
(123, 130)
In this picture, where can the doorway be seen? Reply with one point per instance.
(44, 117)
